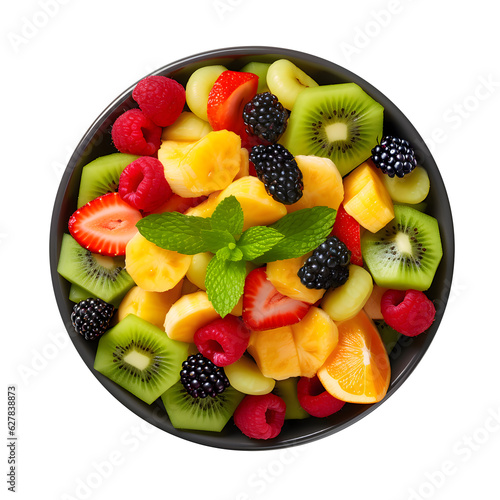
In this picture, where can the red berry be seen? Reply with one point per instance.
(176, 203)
(315, 399)
(143, 184)
(223, 341)
(348, 230)
(265, 308)
(260, 417)
(409, 312)
(227, 98)
(160, 98)
(134, 133)
(104, 225)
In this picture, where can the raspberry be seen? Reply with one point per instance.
(143, 184)
(223, 341)
(315, 399)
(409, 312)
(160, 98)
(260, 417)
(134, 133)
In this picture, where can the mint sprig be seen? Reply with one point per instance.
(222, 234)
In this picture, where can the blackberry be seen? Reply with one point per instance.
(277, 169)
(394, 156)
(201, 378)
(91, 317)
(265, 117)
(327, 267)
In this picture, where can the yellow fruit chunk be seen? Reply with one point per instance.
(244, 165)
(205, 208)
(295, 350)
(283, 275)
(315, 336)
(259, 209)
(199, 168)
(366, 198)
(152, 268)
(188, 314)
(187, 128)
(244, 375)
(345, 301)
(358, 369)
(322, 183)
(150, 306)
(372, 306)
(275, 353)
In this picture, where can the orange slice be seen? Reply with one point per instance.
(358, 369)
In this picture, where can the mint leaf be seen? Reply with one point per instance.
(175, 231)
(224, 281)
(215, 239)
(231, 252)
(257, 240)
(228, 215)
(302, 232)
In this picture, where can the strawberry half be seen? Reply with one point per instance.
(229, 94)
(105, 225)
(265, 308)
(348, 230)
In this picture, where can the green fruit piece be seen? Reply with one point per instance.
(101, 276)
(101, 176)
(259, 69)
(388, 335)
(286, 81)
(345, 301)
(421, 207)
(198, 87)
(244, 375)
(77, 293)
(340, 122)
(287, 391)
(406, 252)
(140, 357)
(203, 414)
(413, 188)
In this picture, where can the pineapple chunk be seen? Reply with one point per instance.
(152, 268)
(366, 198)
(198, 168)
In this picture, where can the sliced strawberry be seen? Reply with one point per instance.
(104, 225)
(229, 94)
(265, 308)
(348, 230)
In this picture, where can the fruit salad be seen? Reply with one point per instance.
(253, 249)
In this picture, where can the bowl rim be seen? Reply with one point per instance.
(150, 414)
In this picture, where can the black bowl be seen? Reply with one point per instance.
(407, 353)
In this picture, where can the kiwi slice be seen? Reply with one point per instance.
(101, 176)
(287, 391)
(202, 414)
(388, 335)
(140, 357)
(102, 277)
(341, 122)
(406, 252)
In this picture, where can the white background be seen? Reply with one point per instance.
(438, 436)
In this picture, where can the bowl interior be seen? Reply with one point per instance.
(407, 353)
